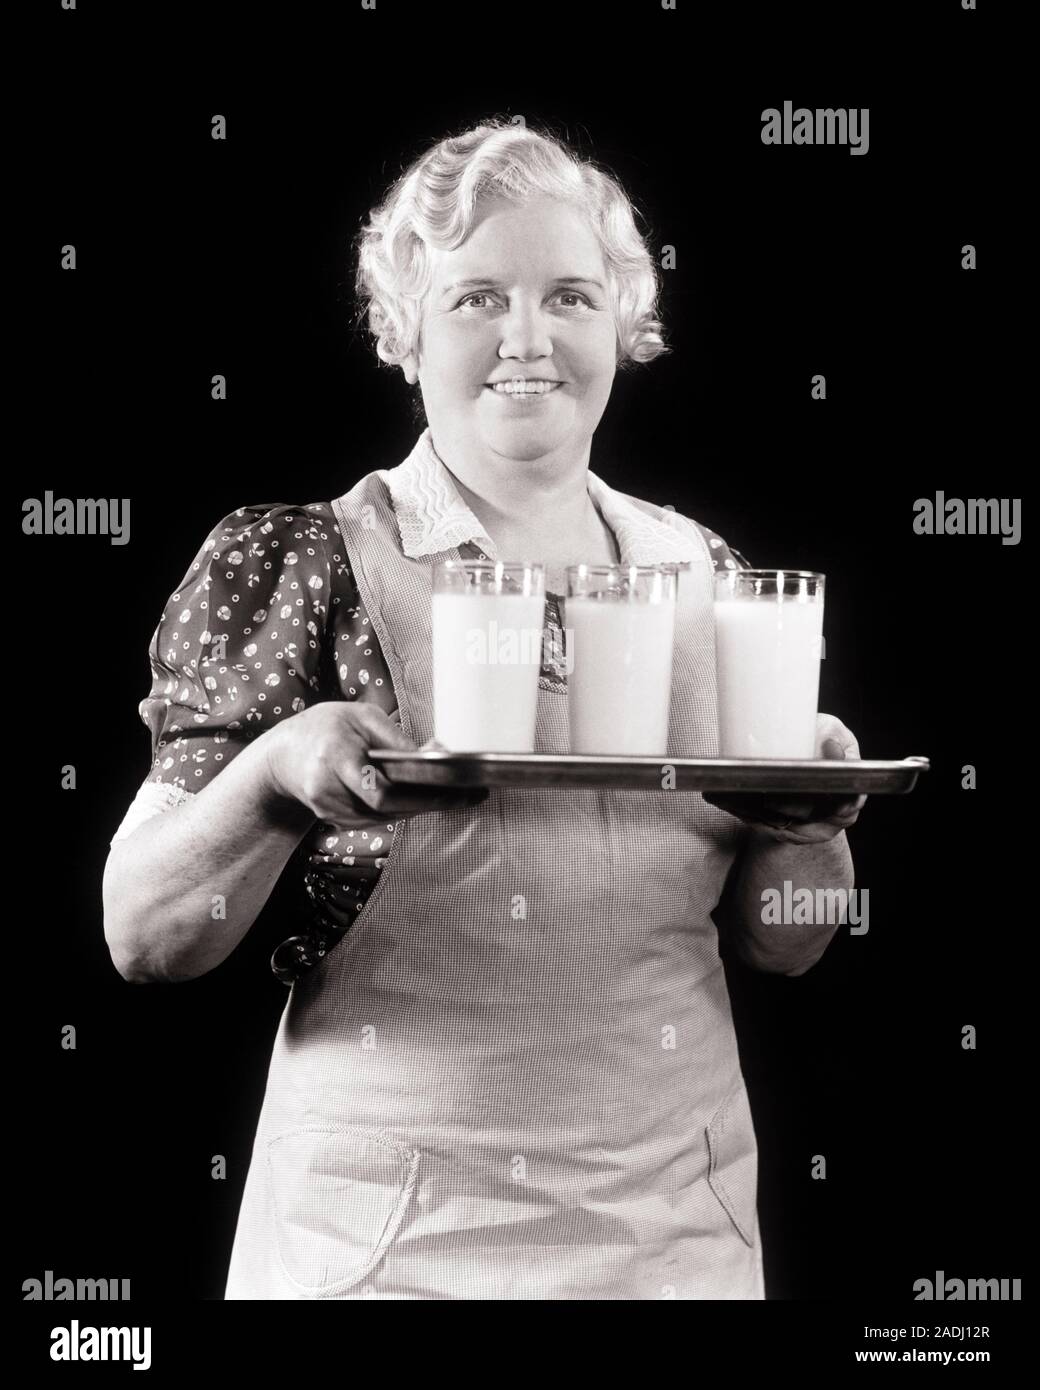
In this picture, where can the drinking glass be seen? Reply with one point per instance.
(487, 619)
(620, 626)
(768, 643)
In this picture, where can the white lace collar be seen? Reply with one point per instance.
(432, 516)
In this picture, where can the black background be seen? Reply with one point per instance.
(198, 257)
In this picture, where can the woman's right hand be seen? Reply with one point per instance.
(318, 759)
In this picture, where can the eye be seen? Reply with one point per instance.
(579, 299)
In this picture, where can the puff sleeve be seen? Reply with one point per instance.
(239, 647)
(723, 556)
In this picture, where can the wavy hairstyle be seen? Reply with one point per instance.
(435, 203)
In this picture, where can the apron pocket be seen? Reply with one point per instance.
(733, 1161)
(339, 1196)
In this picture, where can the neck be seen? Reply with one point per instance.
(546, 496)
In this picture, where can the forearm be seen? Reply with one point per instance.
(185, 887)
(765, 867)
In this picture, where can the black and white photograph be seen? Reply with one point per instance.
(523, 551)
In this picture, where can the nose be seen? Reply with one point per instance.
(525, 332)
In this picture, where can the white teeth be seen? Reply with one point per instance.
(524, 388)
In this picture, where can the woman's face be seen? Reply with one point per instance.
(534, 305)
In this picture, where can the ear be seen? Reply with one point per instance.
(410, 367)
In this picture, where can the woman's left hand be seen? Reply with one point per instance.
(801, 819)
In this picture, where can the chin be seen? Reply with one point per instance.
(523, 445)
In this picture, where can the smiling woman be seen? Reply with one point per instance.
(507, 1067)
(509, 282)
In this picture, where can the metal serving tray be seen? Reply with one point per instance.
(435, 767)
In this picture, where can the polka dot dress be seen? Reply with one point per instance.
(267, 622)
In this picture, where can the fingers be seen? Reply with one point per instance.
(835, 739)
(358, 791)
(393, 799)
(761, 806)
(759, 809)
(849, 810)
(370, 794)
(380, 729)
(412, 800)
(824, 808)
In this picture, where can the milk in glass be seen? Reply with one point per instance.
(768, 664)
(620, 675)
(487, 654)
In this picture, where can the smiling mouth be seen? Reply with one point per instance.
(523, 388)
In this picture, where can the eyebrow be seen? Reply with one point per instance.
(489, 280)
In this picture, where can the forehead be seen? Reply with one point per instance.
(541, 236)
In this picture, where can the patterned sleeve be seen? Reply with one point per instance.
(238, 648)
(723, 556)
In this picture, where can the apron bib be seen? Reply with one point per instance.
(516, 1077)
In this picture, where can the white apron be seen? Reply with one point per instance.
(516, 1077)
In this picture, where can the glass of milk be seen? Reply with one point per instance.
(488, 619)
(620, 626)
(768, 642)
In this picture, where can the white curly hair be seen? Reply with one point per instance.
(435, 203)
